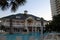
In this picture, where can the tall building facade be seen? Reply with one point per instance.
(55, 7)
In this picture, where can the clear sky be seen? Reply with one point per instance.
(40, 8)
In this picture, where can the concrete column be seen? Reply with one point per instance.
(42, 29)
(35, 29)
(26, 25)
(32, 29)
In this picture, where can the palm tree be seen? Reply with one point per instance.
(13, 4)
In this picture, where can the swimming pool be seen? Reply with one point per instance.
(36, 35)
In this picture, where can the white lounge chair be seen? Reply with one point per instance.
(52, 36)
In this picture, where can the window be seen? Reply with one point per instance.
(22, 21)
(7, 20)
(30, 21)
(17, 16)
(38, 18)
(17, 22)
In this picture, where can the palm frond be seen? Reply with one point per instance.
(20, 2)
(14, 7)
(3, 4)
(14, 4)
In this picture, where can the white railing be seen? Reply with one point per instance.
(18, 25)
(6, 24)
(34, 25)
(22, 24)
(30, 24)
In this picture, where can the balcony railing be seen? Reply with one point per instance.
(18, 25)
(7, 24)
(22, 25)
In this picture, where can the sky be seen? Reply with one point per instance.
(39, 8)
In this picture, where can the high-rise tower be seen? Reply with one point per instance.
(55, 7)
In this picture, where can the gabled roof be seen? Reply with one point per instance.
(21, 16)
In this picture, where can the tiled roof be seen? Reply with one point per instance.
(21, 16)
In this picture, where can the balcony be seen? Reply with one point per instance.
(18, 25)
(33, 25)
(7, 24)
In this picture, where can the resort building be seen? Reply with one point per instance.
(22, 22)
(55, 7)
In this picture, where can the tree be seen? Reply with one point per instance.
(13, 4)
(2, 27)
(54, 25)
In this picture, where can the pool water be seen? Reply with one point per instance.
(24, 36)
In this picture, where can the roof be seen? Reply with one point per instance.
(21, 16)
